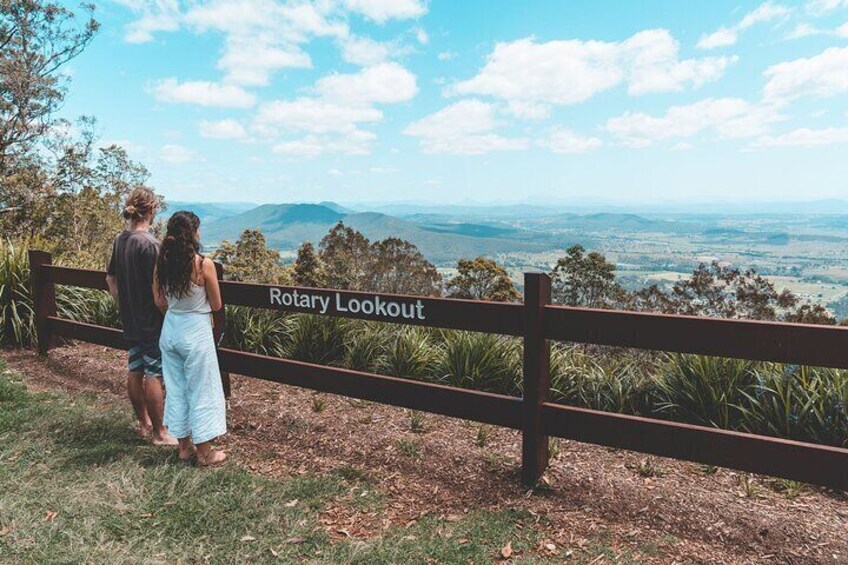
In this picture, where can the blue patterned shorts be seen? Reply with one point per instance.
(145, 356)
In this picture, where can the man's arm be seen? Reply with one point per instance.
(111, 279)
(112, 283)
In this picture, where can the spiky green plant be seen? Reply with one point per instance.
(709, 391)
(365, 346)
(255, 330)
(480, 361)
(315, 339)
(87, 305)
(17, 320)
(579, 379)
(803, 403)
(410, 354)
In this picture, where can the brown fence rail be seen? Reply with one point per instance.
(537, 322)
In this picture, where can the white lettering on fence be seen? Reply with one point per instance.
(412, 309)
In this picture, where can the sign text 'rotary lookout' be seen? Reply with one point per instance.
(334, 302)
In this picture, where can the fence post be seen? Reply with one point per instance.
(537, 378)
(43, 298)
(219, 321)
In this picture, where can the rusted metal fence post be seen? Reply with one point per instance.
(537, 377)
(43, 298)
(219, 322)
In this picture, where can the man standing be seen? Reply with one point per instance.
(130, 280)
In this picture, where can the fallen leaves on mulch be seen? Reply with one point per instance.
(590, 493)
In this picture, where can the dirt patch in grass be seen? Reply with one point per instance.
(429, 473)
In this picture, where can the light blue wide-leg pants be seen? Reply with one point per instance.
(194, 401)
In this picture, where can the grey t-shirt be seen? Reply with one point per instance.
(133, 258)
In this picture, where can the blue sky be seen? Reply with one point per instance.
(560, 101)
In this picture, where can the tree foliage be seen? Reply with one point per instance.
(344, 254)
(37, 38)
(482, 279)
(398, 267)
(307, 269)
(585, 279)
(250, 259)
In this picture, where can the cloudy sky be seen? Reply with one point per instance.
(581, 101)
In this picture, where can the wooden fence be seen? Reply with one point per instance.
(537, 322)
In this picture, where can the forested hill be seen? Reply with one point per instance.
(286, 226)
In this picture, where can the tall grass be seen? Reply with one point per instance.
(17, 320)
(484, 362)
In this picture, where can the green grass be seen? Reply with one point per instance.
(79, 487)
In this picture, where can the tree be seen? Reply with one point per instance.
(581, 279)
(37, 38)
(250, 260)
(307, 269)
(344, 253)
(482, 279)
(398, 267)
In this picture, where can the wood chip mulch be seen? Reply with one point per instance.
(652, 511)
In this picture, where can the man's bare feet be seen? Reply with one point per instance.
(163, 439)
(211, 458)
(143, 431)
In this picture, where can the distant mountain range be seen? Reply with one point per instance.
(286, 226)
(447, 233)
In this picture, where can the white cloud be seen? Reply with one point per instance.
(364, 51)
(806, 30)
(203, 93)
(355, 142)
(315, 115)
(822, 7)
(153, 16)
(722, 37)
(381, 11)
(726, 36)
(176, 154)
(222, 129)
(822, 75)
(565, 141)
(446, 55)
(422, 36)
(386, 83)
(682, 146)
(528, 110)
(805, 137)
(463, 128)
(727, 117)
(572, 71)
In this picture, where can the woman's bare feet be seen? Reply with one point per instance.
(207, 457)
(187, 450)
(214, 458)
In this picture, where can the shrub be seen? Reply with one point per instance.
(410, 354)
(802, 403)
(365, 346)
(708, 391)
(17, 320)
(581, 380)
(254, 330)
(480, 361)
(315, 339)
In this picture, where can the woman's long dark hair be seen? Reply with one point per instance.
(175, 266)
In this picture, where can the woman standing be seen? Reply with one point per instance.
(185, 287)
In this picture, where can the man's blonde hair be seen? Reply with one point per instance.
(141, 202)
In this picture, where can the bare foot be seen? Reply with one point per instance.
(211, 459)
(143, 431)
(187, 452)
(164, 439)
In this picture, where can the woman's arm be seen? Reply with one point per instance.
(158, 296)
(213, 290)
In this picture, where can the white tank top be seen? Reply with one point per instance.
(195, 302)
